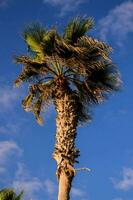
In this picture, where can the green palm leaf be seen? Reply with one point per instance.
(77, 28)
(9, 194)
(33, 36)
(49, 40)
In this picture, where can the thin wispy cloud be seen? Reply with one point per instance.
(24, 181)
(2, 170)
(76, 192)
(65, 5)
(21, 172)
(8, 151)
(30, 187)
(8, 97)
(50, 186)
(118, 23)
(8, 148)
(126, 182)
(21, 178)
(9, 128)
(33, 186)
(4, 3)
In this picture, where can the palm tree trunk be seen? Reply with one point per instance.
(64, 187)
(65, 152)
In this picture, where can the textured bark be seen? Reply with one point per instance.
(65, 152)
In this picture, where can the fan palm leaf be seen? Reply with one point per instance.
(77, 28)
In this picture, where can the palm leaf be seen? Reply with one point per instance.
(33, 36)
(9, 194)
(38, 99)
(49, 41)
(32, 69)
(27, 101)
(37, 108)
(86, 41)
(77, 28)
(19, 197)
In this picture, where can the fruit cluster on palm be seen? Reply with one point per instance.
(73, 71)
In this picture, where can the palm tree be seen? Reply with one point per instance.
(9, 194)
(73, 71)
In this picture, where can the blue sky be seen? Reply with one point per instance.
(106, 143)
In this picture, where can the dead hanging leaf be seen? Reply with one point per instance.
(40, 121)
(26, 102)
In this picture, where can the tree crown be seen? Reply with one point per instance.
(71, 61)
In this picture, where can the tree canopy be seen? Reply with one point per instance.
(72, 60)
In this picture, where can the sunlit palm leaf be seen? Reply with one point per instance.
(33, 36)
(27, 102)
(86, 41)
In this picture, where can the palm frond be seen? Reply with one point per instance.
(36, 109)
(32, 69)
(38, 99)
(103, 81)
(77, 28)
(49, 40)
(26, 103)
(86, 41)
(33, 36)
(9, 194)
(19, 197)
(96, 86)
(83, 110)
(27, 74)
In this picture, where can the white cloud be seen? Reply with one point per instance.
(8, 151)
(77, 192)
(24, 182)
(118, 23)
(30, 187)
(8, 148)
(65, 5)
(126, 183)
(118, 198)
(21, 172)
(8, 98)
(21, 179)
(9, 128)
(50, 186)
